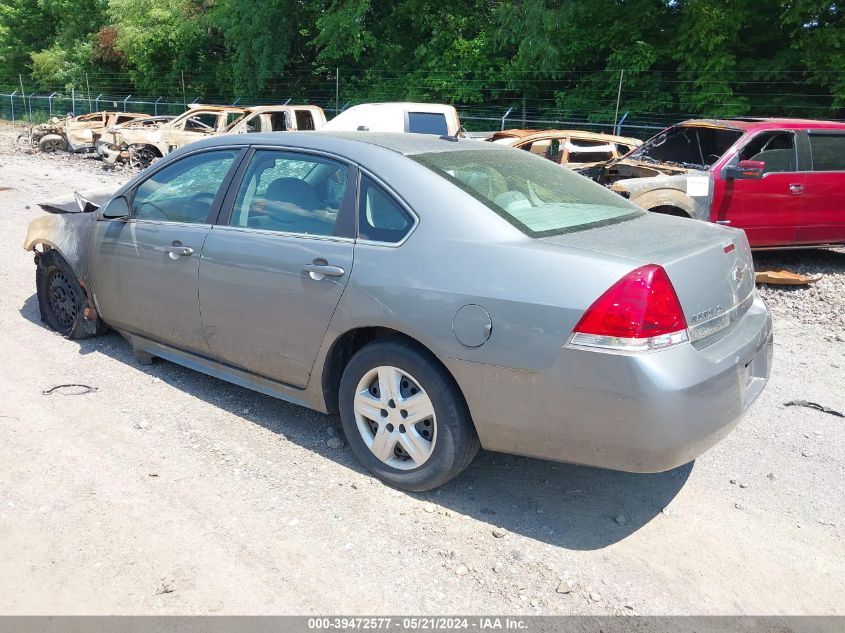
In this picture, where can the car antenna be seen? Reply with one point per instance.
(453, 139)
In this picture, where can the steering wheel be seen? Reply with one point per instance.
(158, 214)
(199, 124)
(200, 196)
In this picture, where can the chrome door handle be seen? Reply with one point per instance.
(179, 251)
(321, 271)
(796, 190)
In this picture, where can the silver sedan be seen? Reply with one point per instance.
(441, 294)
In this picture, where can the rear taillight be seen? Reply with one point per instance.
(640, 312)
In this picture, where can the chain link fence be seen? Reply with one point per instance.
(39, 107)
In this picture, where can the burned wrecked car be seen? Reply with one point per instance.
(584, 152)
(77, 134)
(278, 118)
(111, 137)
(780, 180)
(141, 146)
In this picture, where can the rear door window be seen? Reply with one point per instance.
(427, 123)
(278, 121)
(304, 120)
(828, 152)
(291, 193)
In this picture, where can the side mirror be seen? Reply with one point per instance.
(746, 170)
(116, 209)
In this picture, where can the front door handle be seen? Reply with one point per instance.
(796, 190)
(321, 271)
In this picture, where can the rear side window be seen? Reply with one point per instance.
(828, 152)
(535, 195)
(380, 217)
(427, 123)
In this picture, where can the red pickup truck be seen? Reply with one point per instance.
(781, 180)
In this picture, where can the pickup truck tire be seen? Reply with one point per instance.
(62, 300)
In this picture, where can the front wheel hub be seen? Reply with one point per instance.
(62, 299)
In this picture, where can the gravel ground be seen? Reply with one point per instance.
(820, 303)
(167, 491)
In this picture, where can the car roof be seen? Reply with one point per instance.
(203, 106)
(344, 142)
(404, 105)
(753, 124)
(582, 134)
(279, 108)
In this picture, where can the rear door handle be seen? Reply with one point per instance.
(796, 190)
(176, 250)
(321, 271)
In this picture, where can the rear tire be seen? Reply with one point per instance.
(385, 385)
(62, 300)
(52, 143)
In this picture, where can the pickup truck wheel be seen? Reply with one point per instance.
(404, 417)
(52, 143)
(62, 300)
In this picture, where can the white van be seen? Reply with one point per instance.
(420, 118)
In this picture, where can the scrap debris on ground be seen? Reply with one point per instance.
(784, 278)
(813, 405)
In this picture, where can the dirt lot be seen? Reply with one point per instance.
(166, 491)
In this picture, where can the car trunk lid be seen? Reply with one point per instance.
(710, 266)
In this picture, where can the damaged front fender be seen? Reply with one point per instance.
(68, 228)
(689, 194)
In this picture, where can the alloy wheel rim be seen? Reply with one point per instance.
(395, 418)
(62, 299)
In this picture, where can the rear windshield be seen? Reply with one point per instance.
(537, 196)
(427, 123)
(693, 147)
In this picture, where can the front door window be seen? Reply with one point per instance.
(183, 191)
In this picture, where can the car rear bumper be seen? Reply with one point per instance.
(639, 412)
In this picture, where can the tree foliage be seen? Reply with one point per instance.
(730, 57)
